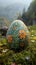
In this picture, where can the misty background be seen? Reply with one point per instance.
(10, 9)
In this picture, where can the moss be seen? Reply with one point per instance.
(19, 57)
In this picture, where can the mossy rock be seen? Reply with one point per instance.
(17, 35)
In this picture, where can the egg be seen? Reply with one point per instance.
(17, 36)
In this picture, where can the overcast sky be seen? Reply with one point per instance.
(8, 2)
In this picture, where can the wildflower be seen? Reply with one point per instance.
(32, 35)
(13, 64)
(33, 41)
(34, 38)
(5, 50)
(32, 31)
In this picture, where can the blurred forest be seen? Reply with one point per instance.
(13, 12)
(29, 16)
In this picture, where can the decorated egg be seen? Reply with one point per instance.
(17, 35)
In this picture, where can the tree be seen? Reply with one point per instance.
(32, 10)
(30, 15)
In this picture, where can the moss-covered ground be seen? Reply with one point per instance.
(25, 57)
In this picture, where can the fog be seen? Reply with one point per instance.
(9, 2)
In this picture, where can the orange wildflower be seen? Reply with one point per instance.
(22, 34)
(9, 38)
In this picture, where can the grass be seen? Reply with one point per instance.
(8, 56)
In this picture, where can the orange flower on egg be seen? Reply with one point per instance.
(9, 38)
(22, 45)
(22, 34)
